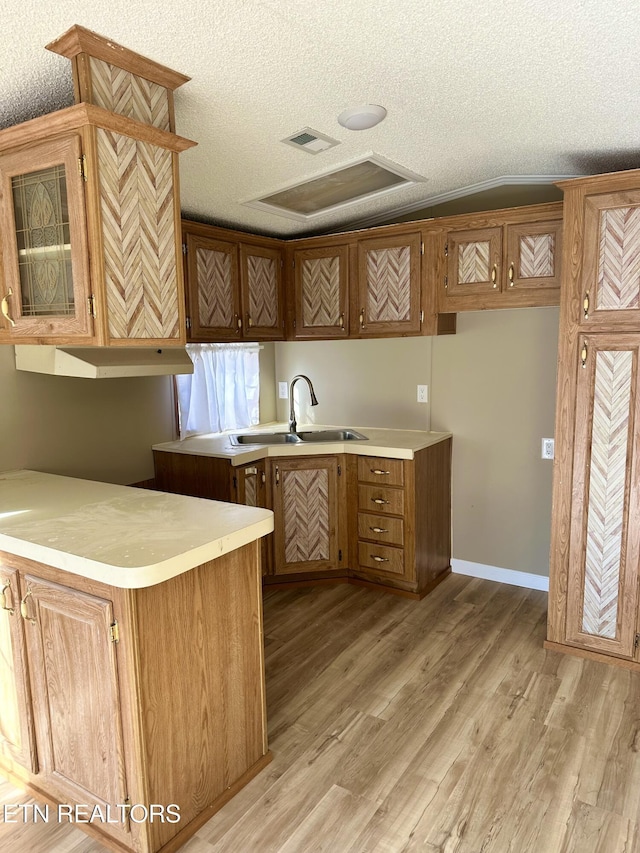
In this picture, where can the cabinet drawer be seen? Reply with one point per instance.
(377, 469)
(389, 530)
(381, 500)
(381, 558)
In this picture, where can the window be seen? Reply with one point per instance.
(223, 392)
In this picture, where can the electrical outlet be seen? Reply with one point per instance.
(423, 393)
(548, 448)
(283, 391)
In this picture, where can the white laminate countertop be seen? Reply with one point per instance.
(393, 443)
(118, 535)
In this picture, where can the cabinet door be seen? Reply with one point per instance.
(213, 289)
(611, 261)
(44, 243)
(16, 720)
(305, 505)
(249, 482)
(534, 250)
(473, 261)
(75, 692)
(321, 292)
(389, 285)
(604, 548)
(261, 280)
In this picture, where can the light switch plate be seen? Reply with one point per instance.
(283, 391)
(423, 393)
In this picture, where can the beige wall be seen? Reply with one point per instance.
(492, 385)
(100, 429)
(358, 383)
(494, 389)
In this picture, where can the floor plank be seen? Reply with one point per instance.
(439, 726)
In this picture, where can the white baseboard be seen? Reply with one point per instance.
(494, 573)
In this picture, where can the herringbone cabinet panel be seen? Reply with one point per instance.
(138, 230)
(122, 92)
(389, 284)
(474, 261)
(215, 292)
(305, 501)
(261, 284)
(213, 288)
(321, 277)
(604, 549)
(610, 286)
(534, 251)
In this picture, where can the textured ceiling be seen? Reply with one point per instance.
(475, 89)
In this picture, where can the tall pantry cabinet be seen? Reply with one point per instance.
(595, 547)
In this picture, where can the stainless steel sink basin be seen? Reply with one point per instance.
(307, 437)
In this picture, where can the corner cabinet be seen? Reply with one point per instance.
(306, 514)
(234, 285)
(595, 550)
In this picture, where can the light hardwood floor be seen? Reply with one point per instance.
(439, 726)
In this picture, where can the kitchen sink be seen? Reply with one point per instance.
(307, 437)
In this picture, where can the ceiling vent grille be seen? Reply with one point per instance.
(310, 140)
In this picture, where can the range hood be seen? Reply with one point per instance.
(102, 362)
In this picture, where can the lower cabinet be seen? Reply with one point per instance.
(114, 700)
(306, 511)
(371, 519)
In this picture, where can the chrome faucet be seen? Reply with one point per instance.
(293, 426)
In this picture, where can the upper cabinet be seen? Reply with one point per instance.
(321, 278)
(610, 280)
(234, 285)
(89, 209)
(509, 258)
(389, 285)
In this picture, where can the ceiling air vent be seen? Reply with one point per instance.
(310, 140)
(370, 177)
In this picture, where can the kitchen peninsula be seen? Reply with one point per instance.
(132, 627)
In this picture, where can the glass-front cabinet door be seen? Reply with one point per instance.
(45, 290)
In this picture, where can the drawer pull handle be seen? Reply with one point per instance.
(23, 609)
(381, 559)
(379, 501)
(494, 275)
(379, 529)
(3, 598)
(380, 471)
(511, 274)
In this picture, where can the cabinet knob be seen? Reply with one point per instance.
(342, 321)
(494, 275)
(511, 273)
(362, 318)
(379, 471)
(249, 321)
(379, 501)
(585, 305)
(381, 559)
(379, 529)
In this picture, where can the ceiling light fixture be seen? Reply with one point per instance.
(362, 118)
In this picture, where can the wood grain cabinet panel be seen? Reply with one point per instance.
(595, 539)
(17, 741)
(321, 297)
(305, 505)
(610, 287)
(503, 259)
(389, 285)
(605, 544)
(75, 692)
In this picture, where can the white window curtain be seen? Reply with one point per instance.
(224, 390)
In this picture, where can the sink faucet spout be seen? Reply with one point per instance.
(293, 426)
